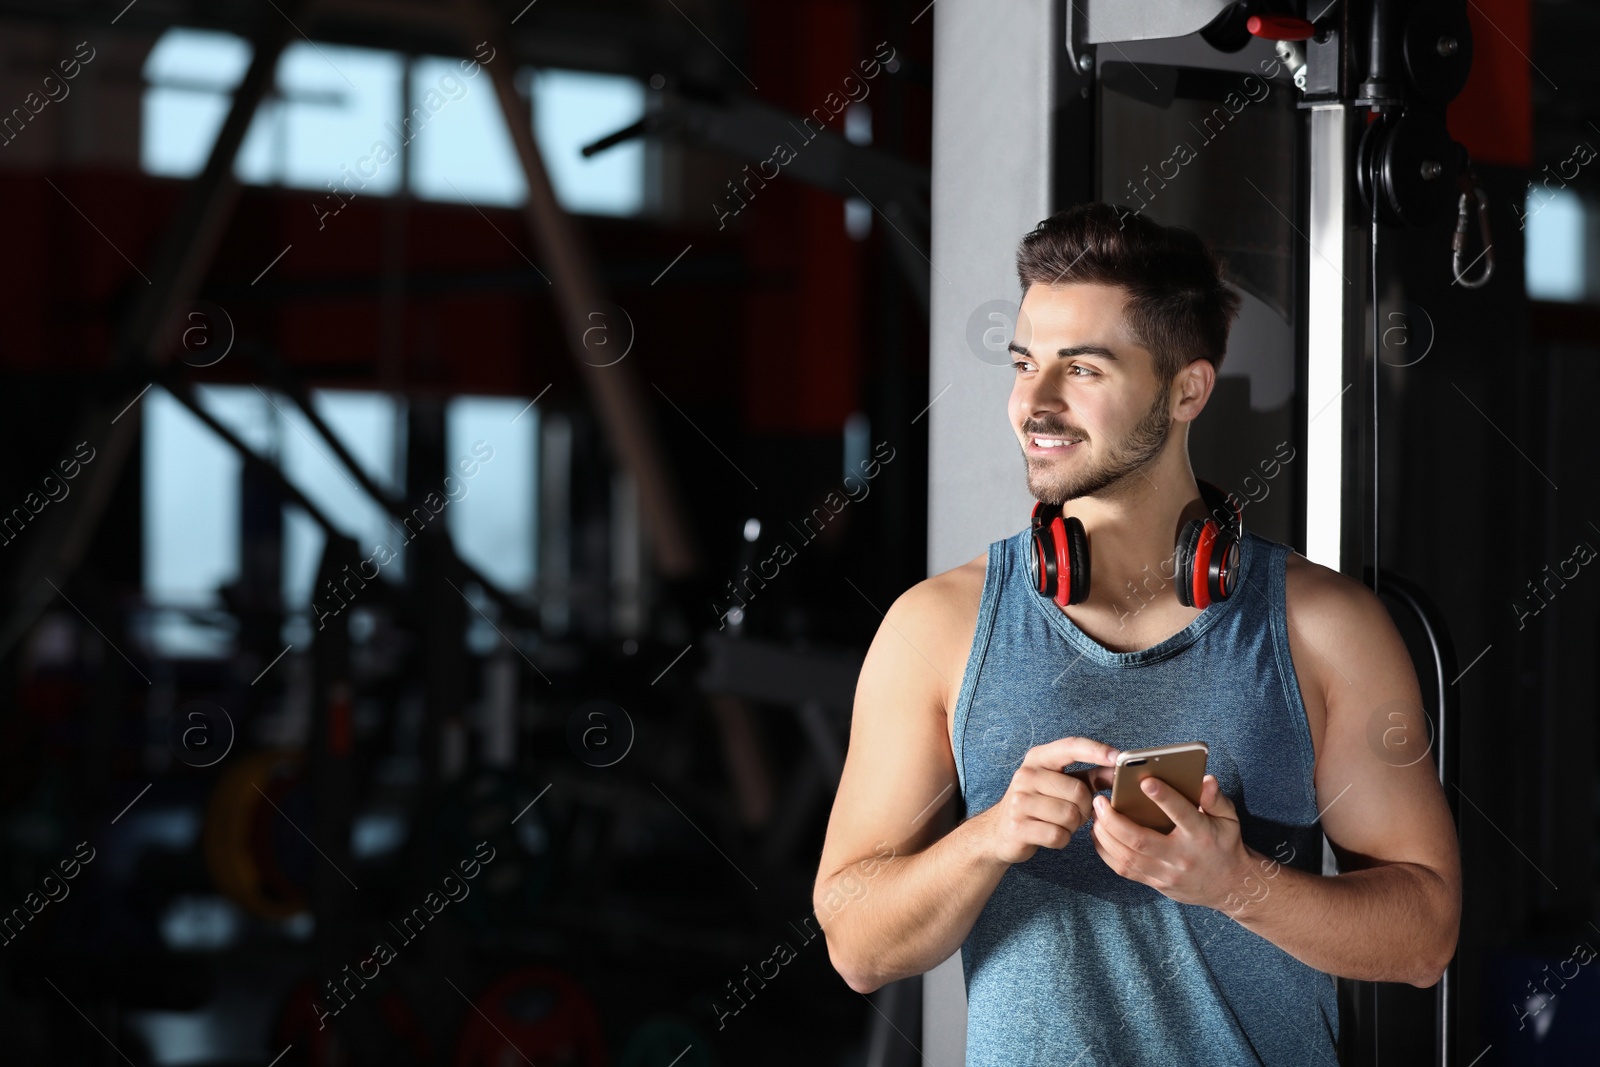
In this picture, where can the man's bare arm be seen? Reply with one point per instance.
(1383, 924)
(1394, 912)
(910, 912)
(894, 897)
(890, 918)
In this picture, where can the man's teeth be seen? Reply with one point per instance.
(1053, 442)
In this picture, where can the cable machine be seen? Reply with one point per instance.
(1314, 131)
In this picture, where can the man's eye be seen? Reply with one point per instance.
(1019, 365)
(1087, 372)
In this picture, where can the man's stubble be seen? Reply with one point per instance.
(1127, 458)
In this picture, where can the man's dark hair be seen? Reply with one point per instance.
(1178, 305)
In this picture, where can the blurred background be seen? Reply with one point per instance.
(458, 453)
(359, 565)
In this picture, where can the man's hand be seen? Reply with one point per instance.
(1045, 805)
(1201, 860)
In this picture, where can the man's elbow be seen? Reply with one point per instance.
(1442, 954)
(1428, 979)
(823, 903)
(1446, 904)
(1440, 961)
(860, 983)
(1432, 977)
(855, 976)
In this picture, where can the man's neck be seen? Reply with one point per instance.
(1133, 536)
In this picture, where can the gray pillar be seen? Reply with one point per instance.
(994, 90)
(993, 140)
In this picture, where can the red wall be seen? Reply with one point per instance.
(1493, 116)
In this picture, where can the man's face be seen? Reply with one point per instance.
(1082, 379)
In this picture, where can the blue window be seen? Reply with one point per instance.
(191, 498)
(334, 105)
(1554, 221)
(493, 521)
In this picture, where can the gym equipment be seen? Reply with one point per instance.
(819, 685)
(544, 1015)
(255, 856)
(297, 1027)
(747, 128)
(383, 1029)
(1427, 638)
(1407, 163)
(495, 805)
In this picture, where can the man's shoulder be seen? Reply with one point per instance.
(1318, 587)
(1327, 604)
(938, 616)
(950, 592)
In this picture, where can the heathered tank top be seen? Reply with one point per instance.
(1070, 963)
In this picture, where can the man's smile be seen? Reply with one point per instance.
(1051, 446)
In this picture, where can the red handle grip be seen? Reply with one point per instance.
(1280, 27)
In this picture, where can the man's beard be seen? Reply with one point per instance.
(1142, 445)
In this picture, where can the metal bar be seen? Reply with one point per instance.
(1114, 21)
(617, 397)
(183, 393)
(185, 255)
(390, 504)
(191, 241)
(1444, 740)
(1334, 317)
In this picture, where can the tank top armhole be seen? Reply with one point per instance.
(1287, 674)
(993, 577)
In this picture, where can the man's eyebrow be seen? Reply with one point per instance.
(1066, 353)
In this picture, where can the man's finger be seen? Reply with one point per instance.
(1083, 774)
(1048, 807)
(1116, 853)
(1066, 751)
(1212, 799)
(1121, 829)
(1177, 806)
(1038, 831)
(1072, 787)
(1096, 778)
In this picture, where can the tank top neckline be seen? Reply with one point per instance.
(1093, 651)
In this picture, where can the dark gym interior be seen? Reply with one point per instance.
(436, 511)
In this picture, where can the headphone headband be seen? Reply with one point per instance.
(1222, 506)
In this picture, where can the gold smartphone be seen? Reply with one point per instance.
(1182, 766)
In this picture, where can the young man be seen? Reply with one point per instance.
(1086, 938)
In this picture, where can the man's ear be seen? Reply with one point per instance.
(1194, 384)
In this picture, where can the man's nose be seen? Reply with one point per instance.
(1045, 397)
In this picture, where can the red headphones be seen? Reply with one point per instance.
(1206, 561)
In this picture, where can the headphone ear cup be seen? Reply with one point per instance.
(1202, 554)
(1060, 561)
(1224, 577)
(1183, 572)
(1041, 549)
(1042, 556)
(1077, 542)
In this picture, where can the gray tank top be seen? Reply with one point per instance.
(1069, 963)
